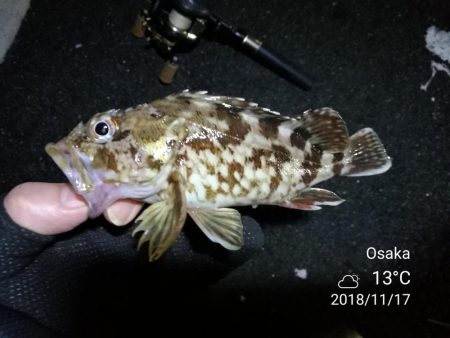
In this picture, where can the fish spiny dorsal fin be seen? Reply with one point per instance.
(325, 129)
(226, 101)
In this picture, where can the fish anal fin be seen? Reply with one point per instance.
(302, 204)
(326, 128)
(221, 225)
(312, 198)
(161, 222)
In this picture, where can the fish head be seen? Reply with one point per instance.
(116, 154)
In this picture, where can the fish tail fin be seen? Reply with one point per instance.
(365, 155)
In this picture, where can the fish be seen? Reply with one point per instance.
(197, 154)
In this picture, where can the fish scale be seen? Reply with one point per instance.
(198, 154)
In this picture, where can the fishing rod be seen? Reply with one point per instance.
(173, 27)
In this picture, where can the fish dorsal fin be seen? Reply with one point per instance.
(325, 129)
(223, 226)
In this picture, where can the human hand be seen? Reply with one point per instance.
(54, 208)
(85, 268)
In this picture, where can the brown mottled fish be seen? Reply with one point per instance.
(198, 154)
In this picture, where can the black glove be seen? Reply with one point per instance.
(92, 279)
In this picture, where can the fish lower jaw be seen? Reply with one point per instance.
(71, 165)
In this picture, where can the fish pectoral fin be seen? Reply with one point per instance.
(223, 226)
(312, 198)
(327, 129)
(161, 222)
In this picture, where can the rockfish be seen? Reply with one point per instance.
(199, 154)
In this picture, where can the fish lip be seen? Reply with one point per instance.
(87, 184)
(68, 160)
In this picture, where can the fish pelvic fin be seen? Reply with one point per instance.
(221, 225)
(312, 199)
(162, 222)
(365, 155)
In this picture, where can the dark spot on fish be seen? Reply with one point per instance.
(281, 156)
(211, 169)
(281, 153)
(257, 154)
(311, 165)
(157, 114)
(243, 191)
(234, 110)
(224, 112)
(121, 135)
(150, 132)
(305, 134)
(221, 191)
(153, 163)
(269, 126)
(226, 140)
(237, 127)
(254, 184)
(181, 158)
(337, 168)
(78, 141)
(233, 167)
(170, 107)
(110, 181)
(236, 167)
(171, 143)
(104, 159)
(274, 182)
(199, 144)
(315, 147)
(297, 140)
(210, 194)
(338, 157)
(133, 152)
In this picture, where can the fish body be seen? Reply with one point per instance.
(199, 154)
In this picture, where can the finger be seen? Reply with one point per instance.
(46, 208)
(123, 212)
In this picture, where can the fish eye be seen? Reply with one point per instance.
(102, 129)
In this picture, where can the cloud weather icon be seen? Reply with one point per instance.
(349, 282)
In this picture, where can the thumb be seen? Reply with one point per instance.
(46, 208)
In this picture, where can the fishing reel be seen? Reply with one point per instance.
(173, 27)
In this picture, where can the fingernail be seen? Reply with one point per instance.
(120, 214)
(70, 199)
(113, 218)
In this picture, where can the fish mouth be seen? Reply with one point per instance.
(68, 160)
(76, 167)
